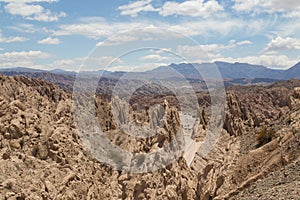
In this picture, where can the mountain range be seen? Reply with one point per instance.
(230, 71)
(184, 70)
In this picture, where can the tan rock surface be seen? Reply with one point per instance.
(42, 157)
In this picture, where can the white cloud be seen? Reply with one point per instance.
(72, 64)
(29, 1)
(115, 32)
(290, 8)
(92, 30)
(30, 11)
(287, 29)
(246, 5)
(103, 60)
(47, 16)
(194, 51)
(28, 28)
(95, 29)
(162, 50)
(192, 8)
(14, 55)
(1, 49)
(134, 8)
(283, 44)
(209, 51)
(68, 62)
(145, 34)
(201, 53)
(49, 40)
(245, 42)
(154, 57)
(22, 58)
(293, 14)
(286, 5)
(117, 40)
(19, 8)
(218, 27)
(271, 61)
(101, 29)
(12, 39)
(87, 63)
(100, 62)
(138, 68)
(213, 52)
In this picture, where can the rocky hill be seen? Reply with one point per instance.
(43, 157)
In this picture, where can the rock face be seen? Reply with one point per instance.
(236, 115)
(42, 156)
(282, 184)
(235, 163)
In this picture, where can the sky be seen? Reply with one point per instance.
(64, 34)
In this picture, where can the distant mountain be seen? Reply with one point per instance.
(20, 70)
(231, 73)
(63, 72)
(293, 72)
(226, 70)
(244, 70)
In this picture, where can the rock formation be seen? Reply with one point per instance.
(43, 157)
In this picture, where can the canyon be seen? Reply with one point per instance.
(256, 156)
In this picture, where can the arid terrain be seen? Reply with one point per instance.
(42, 156)
(150, 100)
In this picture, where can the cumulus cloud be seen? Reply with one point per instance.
(12, 39)
(214, 27)
(213, 52)
(139, 68)
(117, 40)
(101, 29)
(94, 29)
(28, 28)
(115, 32)
(293, 14)
(72, 64)
(246, 5)
(154, 57)
(289, 8)
(134, 8)
(208, 51)
(28, 1)
(209, 8)
(20, 55)
(245, 42)
(286, 5)
(22, 58)
(87, 63)
(49, 40)
(283, 44)
(193, 8)
(31, 10)
(271, 61)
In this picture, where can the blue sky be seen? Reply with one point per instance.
(49, 34)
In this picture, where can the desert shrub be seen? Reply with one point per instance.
(264, 136)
